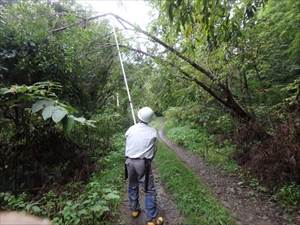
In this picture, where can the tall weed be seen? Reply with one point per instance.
(201, 142)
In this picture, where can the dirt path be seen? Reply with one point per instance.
(167, 208)
(246, 206)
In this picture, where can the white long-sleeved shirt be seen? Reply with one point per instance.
(140, 141)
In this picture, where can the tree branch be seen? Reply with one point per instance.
(186, 75)
(137, 28)
(80, 22)
(229, 101)
(170, 48)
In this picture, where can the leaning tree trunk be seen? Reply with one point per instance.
(223, 95)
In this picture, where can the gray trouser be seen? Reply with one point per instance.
(136, 176)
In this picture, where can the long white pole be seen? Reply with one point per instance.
(124, 75)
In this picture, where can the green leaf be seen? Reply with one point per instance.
(100, 208)
(107, 190)
(4, 91)
(79, 119)
(58, 114)
(68, 123)
(22, 89)
(112, 196)
(36, 209)
(47, 112)
(39, 105)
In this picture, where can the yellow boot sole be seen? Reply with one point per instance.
(158, 221)
(135, 214)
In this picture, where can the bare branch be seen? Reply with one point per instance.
(80, 22)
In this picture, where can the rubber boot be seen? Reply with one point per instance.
(136, 213)
(158, 221)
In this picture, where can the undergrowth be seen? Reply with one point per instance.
(201, 142)
(192, 197)
(289, 195)
(78, 203)
(220, 155)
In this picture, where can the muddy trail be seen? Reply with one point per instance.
(245, 205)
(167, 208)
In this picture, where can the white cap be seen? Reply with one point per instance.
(145, 114)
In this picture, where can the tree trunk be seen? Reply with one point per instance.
(223, 95)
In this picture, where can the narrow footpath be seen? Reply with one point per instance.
(167, 208)
(246, 206)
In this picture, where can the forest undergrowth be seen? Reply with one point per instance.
(223, 154)
(95, 201)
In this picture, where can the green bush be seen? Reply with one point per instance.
(289, 195)
(197, 116)
(78, 203)
(203, 143)
(99, 139)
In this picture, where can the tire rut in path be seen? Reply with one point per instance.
(167, 208)
(246, 207)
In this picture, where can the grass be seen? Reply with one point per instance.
(204, 144)
(193, 198)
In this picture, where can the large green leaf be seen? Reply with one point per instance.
(47, 112)
(58, 114)
(39, 105)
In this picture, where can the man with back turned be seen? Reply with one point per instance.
(139, 152)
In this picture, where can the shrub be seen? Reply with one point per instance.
(76, 202)
(289, 195)
(276, 160)
(201, 116)
(202, 143)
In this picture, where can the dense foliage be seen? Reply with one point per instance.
(203, 143)
(76, 203)
(232, 67)
(81, 81)
(219, 71)
(57, 106)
